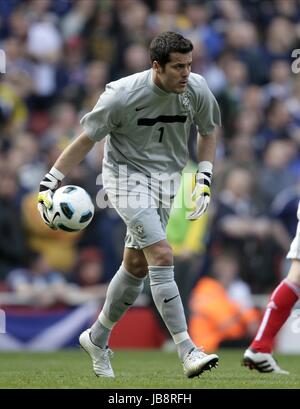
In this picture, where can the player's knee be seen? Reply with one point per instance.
(137, 266)
(294, 273)
(162, 255)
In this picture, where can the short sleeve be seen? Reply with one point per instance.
(207, 117)
(104, 117)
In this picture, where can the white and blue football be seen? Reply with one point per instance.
(72, 208)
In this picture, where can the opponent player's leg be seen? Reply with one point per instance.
(122, 291)
(168, 302)
(258, 355)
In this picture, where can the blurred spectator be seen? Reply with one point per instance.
(37, 284)
(231, 95)
(24, 157)
(133, 21)
(88, 280)
(284, 210)
(221, 306)
(44, 45)
(293, 104)
(228, 12)
(200, 30)
(82, 84)
(63, 125)
(167, 17)
(243, 40)
(136, 59)
(96, 77)
(208, 68)
(279, 86)
(241, 224)
(101, 35)
(240, 152)
(13, 111)
(274, 174)
(19, 22)
(253, 100)
(12, 235)
(130, 27)
(17, 64)
(280, 40)
(288, 9)
(70, 73)
(247, 123)
(74, 22)
(277, 125)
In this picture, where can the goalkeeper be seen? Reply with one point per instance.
(147, 119)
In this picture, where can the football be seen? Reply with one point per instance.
(72, 208)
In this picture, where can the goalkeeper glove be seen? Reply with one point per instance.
(201, 192)
(48, 185)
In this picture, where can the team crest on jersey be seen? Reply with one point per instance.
(185, 100)
(140, 230)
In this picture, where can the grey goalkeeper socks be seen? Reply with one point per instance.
(121, 294)
(168, 302)
(184, 348)
(99, 334)
(167, 299)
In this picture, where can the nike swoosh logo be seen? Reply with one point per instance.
(140, 108)
(126, 303)
(170, 299)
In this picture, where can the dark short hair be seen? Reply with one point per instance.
(168, 42)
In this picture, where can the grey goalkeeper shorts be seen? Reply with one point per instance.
(145, 216)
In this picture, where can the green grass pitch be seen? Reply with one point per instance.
(136, 369)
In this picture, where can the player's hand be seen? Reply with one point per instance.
(48, 185)
(201, 192)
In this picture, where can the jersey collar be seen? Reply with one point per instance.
(154, 87)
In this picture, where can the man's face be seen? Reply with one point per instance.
(173, 77)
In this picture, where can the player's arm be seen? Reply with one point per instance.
(206, 149)
(98, 123)
(69, 158)
(208, 120)
(74, 153)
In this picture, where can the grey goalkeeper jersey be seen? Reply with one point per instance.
(147, 128)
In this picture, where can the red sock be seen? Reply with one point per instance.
(277, 312)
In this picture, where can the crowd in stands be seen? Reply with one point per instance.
(59, 56)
